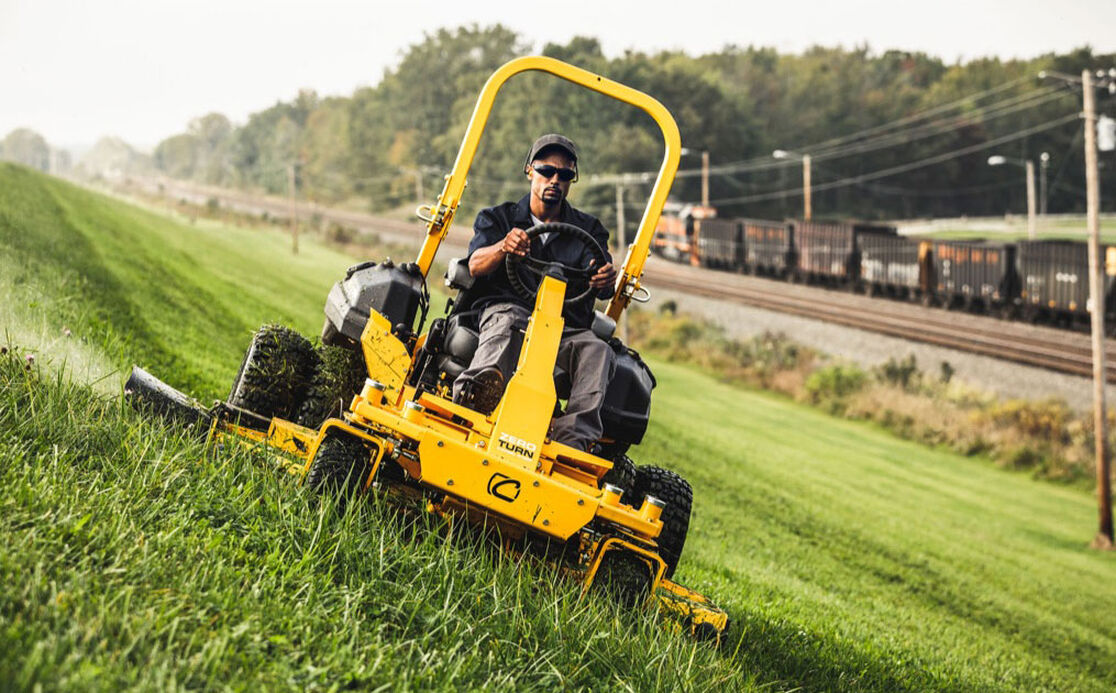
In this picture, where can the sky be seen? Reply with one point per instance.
(141, 69)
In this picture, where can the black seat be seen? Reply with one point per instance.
(458, 344)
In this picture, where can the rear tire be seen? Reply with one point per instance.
(335, 381)
(672, 489)
(622, 474)
(275, 373)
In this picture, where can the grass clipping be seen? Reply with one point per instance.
(1044, 437)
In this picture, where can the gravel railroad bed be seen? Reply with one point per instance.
(1009, 380)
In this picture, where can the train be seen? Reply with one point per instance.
(1043, 281)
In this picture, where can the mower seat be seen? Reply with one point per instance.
(627, 404)
(460, 342)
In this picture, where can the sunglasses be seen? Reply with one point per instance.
(546, 171)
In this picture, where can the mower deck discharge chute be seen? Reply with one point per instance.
(392, 423)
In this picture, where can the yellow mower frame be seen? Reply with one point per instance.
(439, 216)
(501, 467)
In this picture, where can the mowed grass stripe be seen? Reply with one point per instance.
(176, 297)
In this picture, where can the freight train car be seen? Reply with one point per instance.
(976, 275)
(1054, 279)
(828, 252)
(896, 266)
(719, 243)
(768, 247)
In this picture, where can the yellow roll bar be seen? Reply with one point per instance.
(439, 217)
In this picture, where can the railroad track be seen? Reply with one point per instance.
(1035, 346)
(1057, 350)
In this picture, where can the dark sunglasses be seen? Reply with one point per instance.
(546, 171)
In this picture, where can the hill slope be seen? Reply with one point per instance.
(134, 286)
(847, 559)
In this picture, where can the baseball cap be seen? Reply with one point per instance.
(551, 140)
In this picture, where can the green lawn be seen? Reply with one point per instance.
(172, 296)
(847, 553)
(135, 558)
(1054, 228)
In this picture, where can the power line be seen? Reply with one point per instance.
(883, 173)
(999, 109)
(920, 115)
(939, 192)
(1074, 144)
(984, 113)
(946, 125)
(765, 162)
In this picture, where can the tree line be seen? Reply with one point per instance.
(381, 144)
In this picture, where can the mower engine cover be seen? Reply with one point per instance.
(392, 291)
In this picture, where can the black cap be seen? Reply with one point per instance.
(548, 141)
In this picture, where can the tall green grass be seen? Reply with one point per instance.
(137, 558)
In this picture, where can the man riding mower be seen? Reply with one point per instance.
(465, 416)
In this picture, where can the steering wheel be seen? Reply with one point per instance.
(541, 267)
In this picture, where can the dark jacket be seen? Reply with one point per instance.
(493, 224)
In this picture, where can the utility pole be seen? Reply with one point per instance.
(293, 209)
(621, 236)
(1029, 166)
(1030, 199)
(419, 195)
(705, 178)
(807, 205)
(1104, 538)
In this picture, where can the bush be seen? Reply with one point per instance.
(1047, 419)
(903, 373)
(340, 234)
(830, 385)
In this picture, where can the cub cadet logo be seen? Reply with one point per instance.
(503, 487)
(517, 445)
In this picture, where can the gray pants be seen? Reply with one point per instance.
(589, 362)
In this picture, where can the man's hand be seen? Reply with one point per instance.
(485, 260)
(516, 243)
(604, 277)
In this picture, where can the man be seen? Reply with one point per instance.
(500, 231)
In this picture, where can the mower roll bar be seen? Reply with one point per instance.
(439, 216)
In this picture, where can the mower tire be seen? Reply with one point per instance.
(336, 379)
(338, 468)
(675, 491)
(622, 474)
(275, 373)
(624, 577)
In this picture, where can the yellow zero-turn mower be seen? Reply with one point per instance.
(602, 518)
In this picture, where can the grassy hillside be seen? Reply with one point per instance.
(136, 287)
(846, 558)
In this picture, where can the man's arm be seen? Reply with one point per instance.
(604, 279)
(486, 260)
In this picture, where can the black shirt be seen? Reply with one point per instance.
(493, 224)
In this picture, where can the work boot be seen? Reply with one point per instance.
(483, 391)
